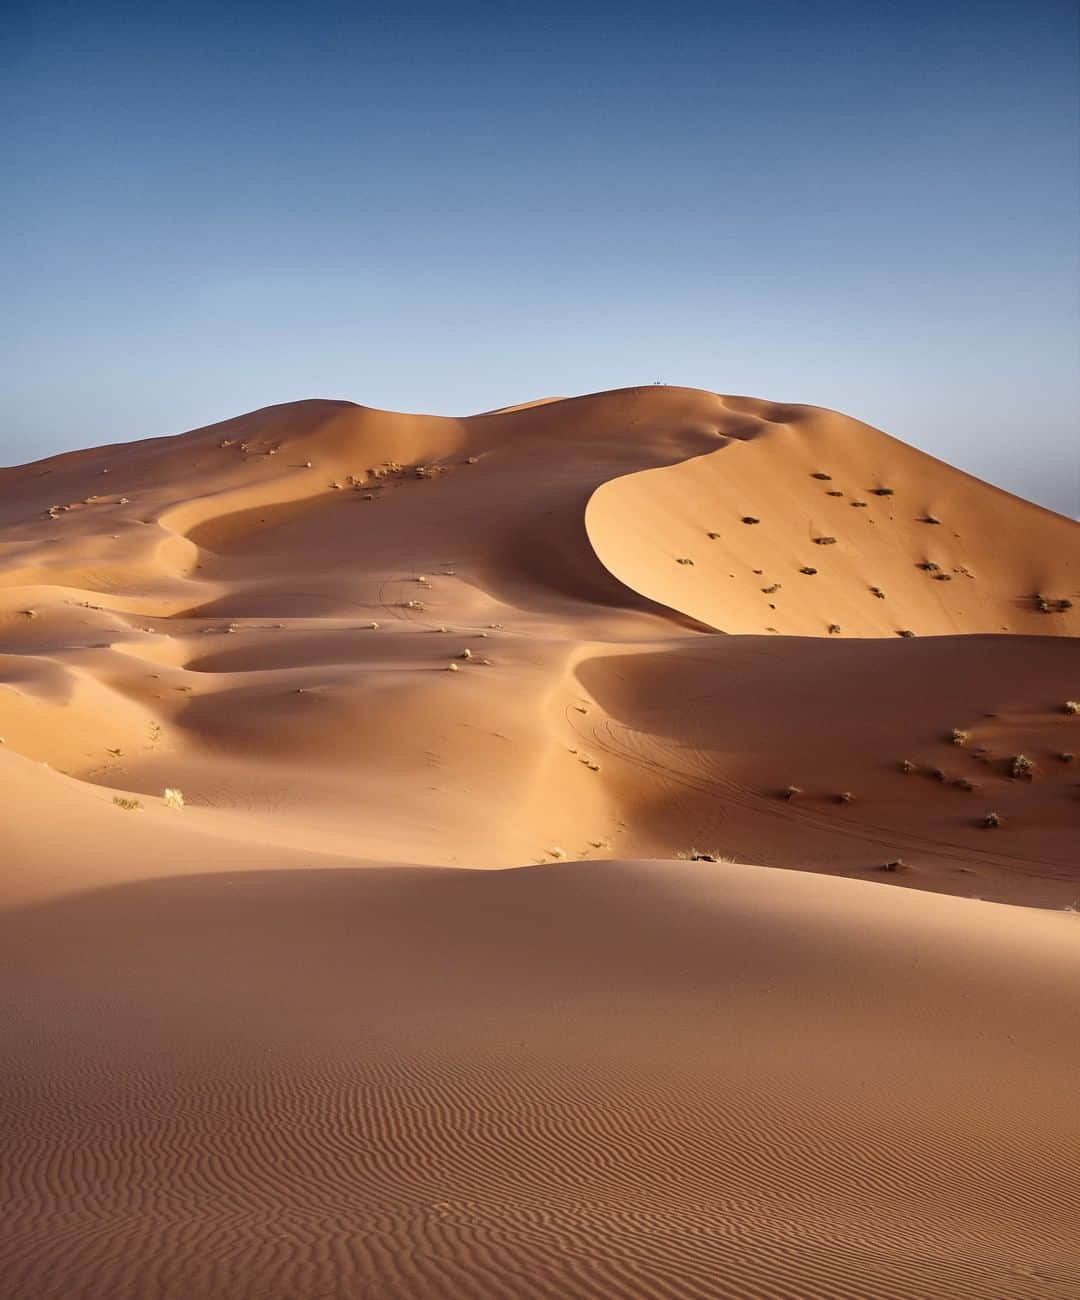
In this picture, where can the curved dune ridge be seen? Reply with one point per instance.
(812, 524)
(266, 1044)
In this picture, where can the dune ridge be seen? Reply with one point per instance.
(434, 985)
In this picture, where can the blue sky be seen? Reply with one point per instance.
(448, 208)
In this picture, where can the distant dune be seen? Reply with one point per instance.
(265, 1044)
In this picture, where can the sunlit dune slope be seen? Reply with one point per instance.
(809, 523)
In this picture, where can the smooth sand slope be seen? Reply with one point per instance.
(581, 1080)
(267, 1045)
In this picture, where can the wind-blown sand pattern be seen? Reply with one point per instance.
(286, 1041)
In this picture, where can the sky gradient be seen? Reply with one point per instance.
(450, 208)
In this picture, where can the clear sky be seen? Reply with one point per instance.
(451, 207)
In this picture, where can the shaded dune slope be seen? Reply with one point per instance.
(613, 1080)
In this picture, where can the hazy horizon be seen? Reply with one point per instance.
(449, 212)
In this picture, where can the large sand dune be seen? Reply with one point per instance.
(266, 1045)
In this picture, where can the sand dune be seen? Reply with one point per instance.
(600, 1079)
(266, 1044)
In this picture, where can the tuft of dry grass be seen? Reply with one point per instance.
(907, 767)
(882, 491)
(173, 797)
(129, 805)
(930, 519)
(1021, 768)
(928, 566)
(683, 559)
(834, 628)
(845, 796)
(991, 819)
(877, 591)
(905, 632)
(808, 569)
(824, 541)
(768, 591)
(825, 478)
(790, 792)
(1071, 707)
(749, 519)
(958, 737)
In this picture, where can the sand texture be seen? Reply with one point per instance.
(422, 989)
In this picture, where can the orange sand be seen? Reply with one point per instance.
(267, 1045)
